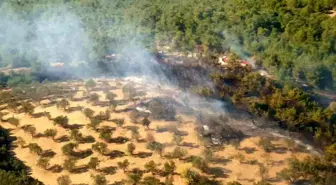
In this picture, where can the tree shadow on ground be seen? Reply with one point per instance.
(189, 145)
(143, 154)
(110, 170)
(80, 169)
(221, 160)
(218, 172)
(115, 154)
(48, 153)
(56, 168)
(249, 150)
(62, 139)
(119, 140)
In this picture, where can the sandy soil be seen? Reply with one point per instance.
(232, 168)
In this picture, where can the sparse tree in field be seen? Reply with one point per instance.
(151, 180)
(12, 106)
(240, 157)
(94, 123)
(129, 91)
(88, 112)
(110, 96)
(64, 180)
(120, 122)
(30, 130)
(100, 148)
(146, 122)
(107, 115)
(94, 163)
(177, 139)
(263, 172)
(123, 165)
(61, 120)
(99, 180)
(20, 141)
(151, 166)
(90, 84)
(105, 134)
(266, 144)
(200, 163)
(157, 147)
(69, 164)
(150, 138)
(27, 108)
(76, 135)
(35, 148)
(93, 97)
(169, 168)
(68, 148)
(135, 135)
(130, 148)
(169, 180)
(50, 133)
(43, 162)
(134, 177)
(290, 144)
(14, 121)
(207, 154)
(63, 104)
(178, 153)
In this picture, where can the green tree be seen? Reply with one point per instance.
(151, 166)
(130, 148)
(151, 180)
(90, 84)
(88, 112)
(43, 163)
(14, 121)
(50, 133)
(169, 167)
(93, 163)
(99, 180)
(123, 164)
(64, 104)
(64, 180)
(100, 147)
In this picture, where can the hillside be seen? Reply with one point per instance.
(291, 38)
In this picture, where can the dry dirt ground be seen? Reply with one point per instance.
(229, 166)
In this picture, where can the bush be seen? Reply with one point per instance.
(64, 104)
(93, 163)
(35, 148)
(43, 163)
(266, 144)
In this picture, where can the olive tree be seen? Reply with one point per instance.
(64, 180)
(123, 165)
(93, 163)
(43, 162)
(100, 147)
(130, 148)
(99, 180)
(63, 104)
(151, 166)
(50, 133)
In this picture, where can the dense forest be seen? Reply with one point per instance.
(293, 39)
